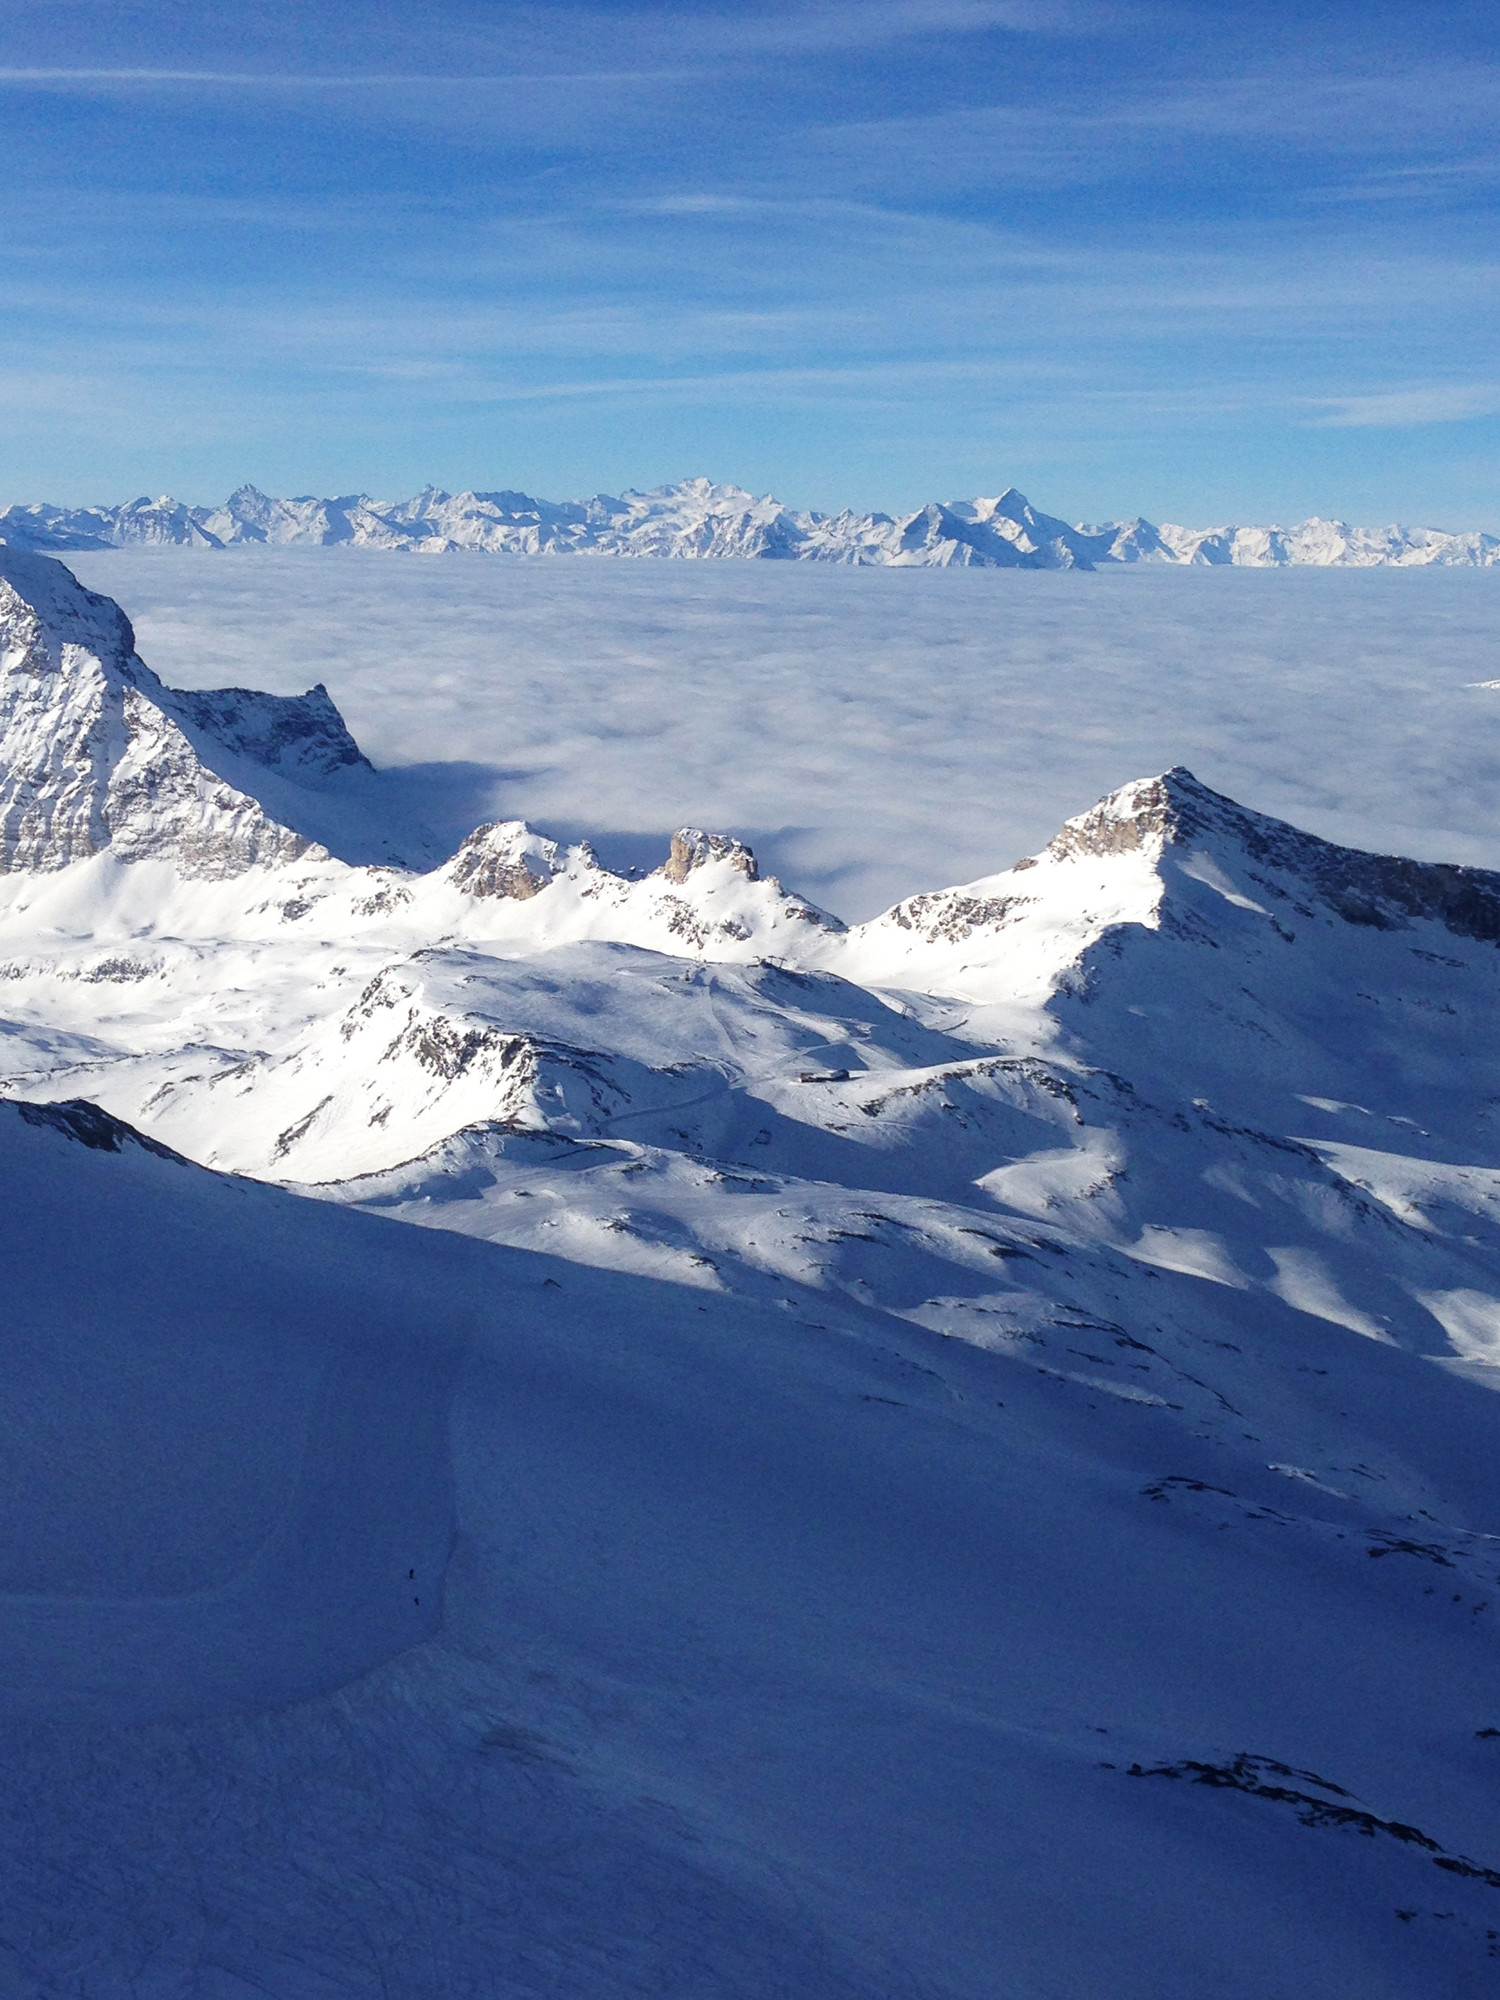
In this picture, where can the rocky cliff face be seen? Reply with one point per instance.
(300, 735)
(95, 753)
(693, 848)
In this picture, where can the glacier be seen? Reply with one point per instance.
(700, 519)
(599, 1430)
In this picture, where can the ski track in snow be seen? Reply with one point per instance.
(871, 733)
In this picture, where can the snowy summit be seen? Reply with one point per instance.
(698, 519)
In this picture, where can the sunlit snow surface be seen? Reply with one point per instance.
(871, 733)
(970, 1461)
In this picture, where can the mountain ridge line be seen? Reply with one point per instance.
(697, 519)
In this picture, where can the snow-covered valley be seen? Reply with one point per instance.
(943, 1456)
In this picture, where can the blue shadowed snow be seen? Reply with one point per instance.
(225, 1438)
(773, 1661)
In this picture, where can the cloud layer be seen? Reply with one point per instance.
(871, 732)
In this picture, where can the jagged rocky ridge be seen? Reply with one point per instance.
(915, 1378)
(697, 518)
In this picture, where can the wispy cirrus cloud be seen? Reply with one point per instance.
(1132, 132)
(903, 233)
(1418, 403)
(671, 40)
(312, 80)
(846, 24)
(1426, 181)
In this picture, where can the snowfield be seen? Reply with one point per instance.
(583, 1425)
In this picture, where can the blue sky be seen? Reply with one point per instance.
(1203, 262)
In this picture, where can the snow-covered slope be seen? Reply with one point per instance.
(224, 1433)
(971, 1439)
(699, 518)
(780, 1651)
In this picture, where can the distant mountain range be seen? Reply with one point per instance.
(697, 518)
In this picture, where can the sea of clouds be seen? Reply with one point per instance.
(869, 732)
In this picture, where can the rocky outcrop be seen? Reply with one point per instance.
(692, 848)
(948, 916)
(505, 859)
(301, 735)
(1127, 820)
(707, 899)
(84, 1123)
(161, 799)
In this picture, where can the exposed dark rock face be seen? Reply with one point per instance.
(1266, 1778)
(691, 848)
(87, 1125)
(288, 732)
(947, 917)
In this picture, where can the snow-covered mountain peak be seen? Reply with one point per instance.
(1169, 855)
(1173, 808)
(707, 492)
(44, 609)
(707, 901)
(1144, 812)
(701, 517)
(95, 753)
(1182, 824)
